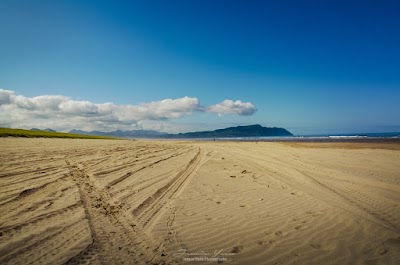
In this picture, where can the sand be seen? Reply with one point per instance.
(68, 201)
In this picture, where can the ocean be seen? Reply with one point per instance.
(356, 137)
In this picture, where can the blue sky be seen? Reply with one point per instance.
(308, 66)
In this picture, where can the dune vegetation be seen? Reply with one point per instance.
(8, 132)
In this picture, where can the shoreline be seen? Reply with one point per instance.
(373, 140)
(316, 140)
(321, 140)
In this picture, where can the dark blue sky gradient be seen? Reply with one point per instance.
(308, 65)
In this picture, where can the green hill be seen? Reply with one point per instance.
(7, 132)
(239, 131)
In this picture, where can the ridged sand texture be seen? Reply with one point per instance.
(68, 201)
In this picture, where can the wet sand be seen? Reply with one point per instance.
(69, 201)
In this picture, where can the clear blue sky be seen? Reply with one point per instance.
(308, 66)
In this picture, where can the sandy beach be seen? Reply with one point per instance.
(68, 201)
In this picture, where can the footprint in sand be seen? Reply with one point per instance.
(324, 246)
(280, 233)
(297, 193)
(300, 227)
(237, 249)
(265, 243)
(391, 245)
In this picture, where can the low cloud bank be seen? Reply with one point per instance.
(62, 112)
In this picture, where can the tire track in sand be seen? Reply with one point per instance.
(118, 238)
(111, 240)
(150, 210)
(153, 204)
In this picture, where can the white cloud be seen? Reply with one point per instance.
(233, 107)
(64, 113)
(5, 96)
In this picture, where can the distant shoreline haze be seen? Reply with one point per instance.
(238, 131)
(250, 131)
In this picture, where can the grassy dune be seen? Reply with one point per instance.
(6, 132)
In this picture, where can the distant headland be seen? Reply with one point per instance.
(238, 131)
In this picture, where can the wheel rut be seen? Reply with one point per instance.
(112, 241)
(146, 211)
(117, 236)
